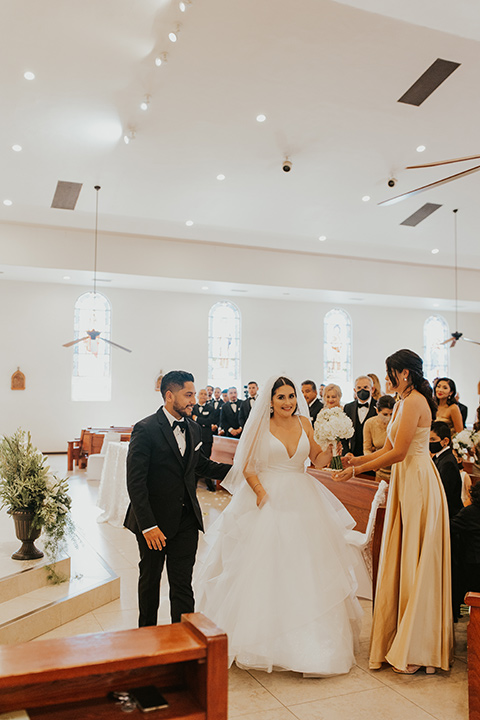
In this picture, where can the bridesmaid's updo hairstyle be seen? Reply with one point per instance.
(282, 380)
(408, 360)
(451, 400)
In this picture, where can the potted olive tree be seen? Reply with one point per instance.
(35, 498)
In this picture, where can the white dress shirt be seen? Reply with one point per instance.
(177, 433)
(363, 411)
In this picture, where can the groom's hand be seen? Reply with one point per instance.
(155, 539)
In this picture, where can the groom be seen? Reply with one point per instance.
(163, 458)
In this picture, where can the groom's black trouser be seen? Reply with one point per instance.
(179, 552)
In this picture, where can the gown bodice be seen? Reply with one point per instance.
(420, 440)
(279, 460)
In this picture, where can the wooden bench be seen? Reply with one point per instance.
(89, 443)
(473, 643)
(70, 678)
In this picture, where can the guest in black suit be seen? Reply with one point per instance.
(216, 402)
(358, 411)
(209, 392)
(463, 410)
(230, 415)
(203, 414)
(164, 513)
(465, 534)
(447, 466)
(309, 390)
(247, 404)
(225, 395)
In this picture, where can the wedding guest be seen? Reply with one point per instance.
(202, 414)
(447, 407)
(412, 618)
(321, 389)
(359, 411)
(309, 390)
(375, 432)
(209, 392)
(216, 403)
(447, 466)
(476, 429)
(247, 404)
(225, 395)
(332, 395)
(163, 458)
(465, 531)
(377, 388)
(230, 415)
(463, 409)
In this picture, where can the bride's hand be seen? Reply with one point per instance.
(261, 497)
(351, 460)
(343, 475)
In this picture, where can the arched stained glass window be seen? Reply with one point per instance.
(436, 357)
(337, 352)
(224, 345)
(91, 378)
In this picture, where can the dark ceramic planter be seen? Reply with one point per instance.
(24, 531)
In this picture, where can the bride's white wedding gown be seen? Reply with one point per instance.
(280, 580)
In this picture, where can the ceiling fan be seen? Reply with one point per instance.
(456, 336)
(437, 183)
(93, 336)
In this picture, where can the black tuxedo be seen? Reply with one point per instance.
(245, 410)
(205, 415)
(452, 482)
(355, 443)
(217, 406)
(161, 486)
(230, 418)
(464, 413)
(314, 409)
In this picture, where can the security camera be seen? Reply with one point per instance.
(392, 182)
(287, 165)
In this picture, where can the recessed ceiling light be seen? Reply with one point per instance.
(435, 251)
(29, 75)
(183, 4)
(161, 58)
(7, 202)
(366, 198)
(17, 148)
(261, 118)
(67, 277)
(189, 223)
(421, 148)
(173, 35)
(145, 103)
(220, 177)
(322, 238)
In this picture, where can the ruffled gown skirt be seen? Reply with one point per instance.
(280, 579)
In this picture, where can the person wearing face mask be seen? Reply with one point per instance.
(375, 432)
(359, 411)
(447, 466)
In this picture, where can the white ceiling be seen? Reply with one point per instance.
(326, 74)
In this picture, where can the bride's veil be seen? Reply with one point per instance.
(253, 447)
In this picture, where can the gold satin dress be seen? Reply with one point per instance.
(412, 619)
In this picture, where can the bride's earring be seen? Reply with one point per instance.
(271, 409)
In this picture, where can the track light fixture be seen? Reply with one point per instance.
(183, 4)
(129, 136)
(144, 105)
(173, 36)
(161, 58)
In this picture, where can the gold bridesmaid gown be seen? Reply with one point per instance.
(412, 619)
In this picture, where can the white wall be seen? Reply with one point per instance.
(169, 330)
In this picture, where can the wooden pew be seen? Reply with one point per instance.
(90, 442)
(473, 644)
(70, 678)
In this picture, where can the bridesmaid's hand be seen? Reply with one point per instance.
(351, 460)
(343, 475)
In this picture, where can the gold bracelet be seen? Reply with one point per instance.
(253, 488)
(353, 468)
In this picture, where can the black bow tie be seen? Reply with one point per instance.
(180, 424)
(362, 405)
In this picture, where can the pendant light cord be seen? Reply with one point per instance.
(456, 270)
(97, 188)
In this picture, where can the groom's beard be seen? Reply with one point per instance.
(183, 411)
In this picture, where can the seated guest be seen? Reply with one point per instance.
(202, 413)
(216, 403)
(447, 411)
(465, 534)
(230, 415)
(309, 390)
(375, 432)
(377, 388)
(359, 411)
(247, 404)
(447, 466)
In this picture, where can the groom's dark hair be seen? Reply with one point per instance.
(175, 380)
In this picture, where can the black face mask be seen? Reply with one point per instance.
(363, 395)
(435, 447)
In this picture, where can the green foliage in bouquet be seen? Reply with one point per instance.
(26, 483)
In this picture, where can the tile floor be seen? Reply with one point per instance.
(360, 695)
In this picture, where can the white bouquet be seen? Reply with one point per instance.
(464, 443)
(332, 425)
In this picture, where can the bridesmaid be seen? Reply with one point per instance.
(448, 410)
(412, 620)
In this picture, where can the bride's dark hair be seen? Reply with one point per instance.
(408, 360)
(282, 380)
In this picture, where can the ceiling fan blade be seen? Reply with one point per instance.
(437, 183)
(74, 342)
(114, 344)
(444, 162)
(472, 341)
(450, 340)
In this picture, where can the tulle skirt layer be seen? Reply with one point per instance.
(280, 580)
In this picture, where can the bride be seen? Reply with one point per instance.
(276, 572)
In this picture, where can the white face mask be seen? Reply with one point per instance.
(385, 419)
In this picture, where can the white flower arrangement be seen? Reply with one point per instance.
(332, 425)
(464, 443)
